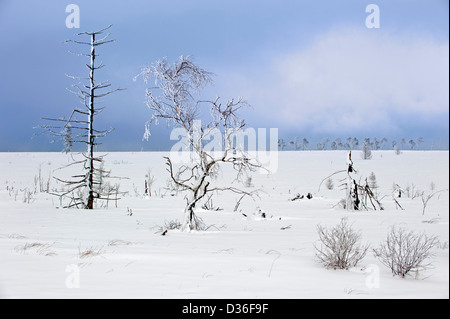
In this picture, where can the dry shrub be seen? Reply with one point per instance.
(405, 251)
(340, 246)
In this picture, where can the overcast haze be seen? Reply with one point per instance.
(309, 68)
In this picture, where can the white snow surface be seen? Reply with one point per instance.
(42, 246)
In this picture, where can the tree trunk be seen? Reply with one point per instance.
(91, 137)
(189, 216)
(348, 199)
(191, 221)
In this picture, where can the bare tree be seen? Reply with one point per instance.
(179, 83)
(403, 142)
(394, 144)
(383, 141)
(281, 144)
(372, 182)
(354, 143)
(305, 144)
(396, 148)
(323, 145)
(366, 149)
(79, 128)
(334, 146)
(411, 144)
(295, 143)
(419, 141)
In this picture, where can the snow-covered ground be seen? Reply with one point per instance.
(49, 252)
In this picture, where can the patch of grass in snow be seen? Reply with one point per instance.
(16, 236)
(90, 252)
(431, 221)
(118, 242)
(39, 248)
(12, 236)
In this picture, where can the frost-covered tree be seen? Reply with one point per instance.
(396, 147)
(383, 142)
(67, 138)
(305, 144)
(403, 142)
(394, 144)
(354, 143)
(323, 145)
(366, 149)
(377, 144)
(79, 127)
(373, 181)
(337, 144)
(299, 145)
(333, 146)
(295, 143)
(174, 99)
(419, 141)
(281, 144)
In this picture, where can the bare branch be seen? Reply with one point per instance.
(96, 32)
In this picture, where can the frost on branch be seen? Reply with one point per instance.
(177, 84)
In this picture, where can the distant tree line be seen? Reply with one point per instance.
(350, 143)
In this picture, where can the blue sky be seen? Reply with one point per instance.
(309, 68)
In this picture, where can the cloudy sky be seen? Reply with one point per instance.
(312, 69)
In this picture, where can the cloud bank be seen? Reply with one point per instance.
(353, 81)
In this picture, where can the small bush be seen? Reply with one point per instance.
(168, 225)
(405, 251)
(340, 246)
(173, 224)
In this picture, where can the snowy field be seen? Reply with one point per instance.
(119, 252)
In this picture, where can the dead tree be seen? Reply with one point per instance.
(178, 84)
(356, 194)
(79, 128)
(366, 149)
